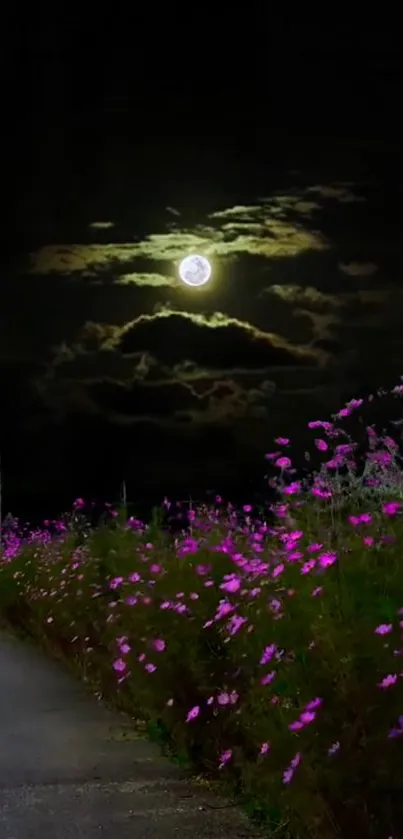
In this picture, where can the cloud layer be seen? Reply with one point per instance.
(297, 315)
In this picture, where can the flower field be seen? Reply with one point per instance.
(265, 648)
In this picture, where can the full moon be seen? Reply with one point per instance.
(195, 270)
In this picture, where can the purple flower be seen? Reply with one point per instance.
(383, 629)
(388, 681)
(193, 713)
(224, 758)
(396, 732)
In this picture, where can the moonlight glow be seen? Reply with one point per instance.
(195, 270)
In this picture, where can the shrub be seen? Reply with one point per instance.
(267, 651)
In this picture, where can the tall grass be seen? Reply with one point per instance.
(267, 649)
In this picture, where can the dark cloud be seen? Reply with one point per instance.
(162, 400)
(211, 342)
(152, 392)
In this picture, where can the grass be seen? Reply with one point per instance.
(265, 650)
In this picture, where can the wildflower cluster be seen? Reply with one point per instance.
(267, 646)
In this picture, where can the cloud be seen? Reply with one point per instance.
(297, 294)
(277, 240)
(211, 402)
(84, 366)
(210, 341)
(101, 225)
(263, 229)
(268, 209)
(358, 269)
(138, 279)
(124, 374)
(339, 192)
(138, 388)
(68, 259)
(174, 369)
(217, 371)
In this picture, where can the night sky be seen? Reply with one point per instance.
(273, 148)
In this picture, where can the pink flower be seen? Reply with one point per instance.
(308, 566)
(117, 581)
(234, 624)
(314, 703)
(391, 508)
(364, 518)
(283, 463)
(265, 680)
(334, 748)
(296, 726)
(193, 713)
(293, 488)
(326, 559)
(233, 585)
(288, 774)
(225, 698)
(383, 629)
(224, 758)
(321, 492)
(388, 681)
(268, 654)
(307, 717)
(396, 732)
(314, 547)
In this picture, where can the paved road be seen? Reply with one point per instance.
(72, 769)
